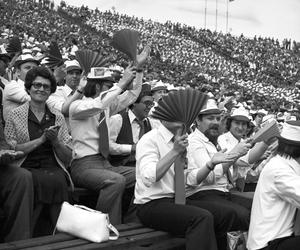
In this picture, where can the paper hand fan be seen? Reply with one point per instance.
(180, 106)
(14, 45)
(88, 59)
(267, 132)
(126, 41)
(54, 56)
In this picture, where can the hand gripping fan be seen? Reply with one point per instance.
(54, 57)
(267, 132)
(180, 106)
(14, 45)
(88, 59)
(126, 41)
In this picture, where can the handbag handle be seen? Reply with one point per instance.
(109, 225)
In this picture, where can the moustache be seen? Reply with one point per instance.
(215, 127)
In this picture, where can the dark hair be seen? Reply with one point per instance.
(90, 87)
(42, 72)
(288, 149)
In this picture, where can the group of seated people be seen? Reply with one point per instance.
(99, 132)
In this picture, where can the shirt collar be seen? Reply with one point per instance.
(231, 137)
(131, 116)
(201, 135)
(67, 90)
(166, 134)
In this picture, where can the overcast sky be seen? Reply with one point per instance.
(269, 18)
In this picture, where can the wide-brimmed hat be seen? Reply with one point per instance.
(290, 132)
(25, 58)
(159, 86)
(72, 65)
(262, 111)
(101, 73)
(210, 107)
(240, 114)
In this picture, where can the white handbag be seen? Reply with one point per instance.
(85, 223)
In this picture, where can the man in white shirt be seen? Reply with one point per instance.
(213, 192)
(277, 196)
(62, 98)
(90, 167)
(14, 93)
(155, 190)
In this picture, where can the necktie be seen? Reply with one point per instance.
(179, 166)
(142, 128)
(103, 131)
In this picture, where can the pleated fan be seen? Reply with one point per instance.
(54, 57)
(88, 59)
(126, 41)
(14, 45)
(267, 132)
(180, 106)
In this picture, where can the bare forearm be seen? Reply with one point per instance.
(28, 147)
(165, 163)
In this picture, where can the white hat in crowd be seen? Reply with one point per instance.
(101, 73)
(291, 132)
(240, 114)
(72, 65)
(210, 107)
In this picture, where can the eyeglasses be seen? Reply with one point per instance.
(148, 104)
(39, 85)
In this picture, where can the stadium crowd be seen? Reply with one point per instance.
(62, 127)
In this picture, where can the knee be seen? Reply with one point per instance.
(204, 217)
(118, 182)
(22, 178)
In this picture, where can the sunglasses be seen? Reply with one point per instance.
(39, 85)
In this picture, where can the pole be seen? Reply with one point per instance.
(205, 11)
(216, 15)
(227, 1)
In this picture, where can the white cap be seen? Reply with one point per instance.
(291, 131)
(72, 64)
(210, 107)
(240, 114)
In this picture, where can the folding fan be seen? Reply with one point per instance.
(268, 131)
(88, 59)
(180, 106)
(14, 45)
(126, 41)
(54, 56)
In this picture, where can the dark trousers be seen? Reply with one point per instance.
(224, 210)
(286, 243)
(189, 221)
(16, 191)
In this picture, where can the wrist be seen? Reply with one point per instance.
(79, 90)
(209, 165)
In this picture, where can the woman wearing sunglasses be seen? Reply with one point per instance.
(41, 134)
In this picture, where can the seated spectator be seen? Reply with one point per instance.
(14, 93)
(40, 132)
(128, 127)
(15, 194)
(71, 91)
(215, 188)
(237, 125)
(155, 191)
(88, 119)
(277, 197)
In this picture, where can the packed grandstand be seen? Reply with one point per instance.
(263, 69)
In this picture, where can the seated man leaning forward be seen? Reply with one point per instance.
(156, 154)
(88, 119)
